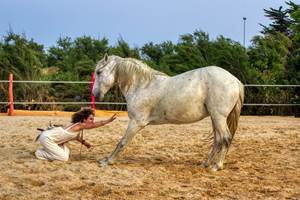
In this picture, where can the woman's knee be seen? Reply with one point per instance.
(64, 157)
(39, 153)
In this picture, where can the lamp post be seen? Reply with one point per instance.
(244, 19)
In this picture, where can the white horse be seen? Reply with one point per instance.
(154, 98)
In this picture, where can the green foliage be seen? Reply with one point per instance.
(123, 50)
(280, 21)
(293, 66)
(78, 56)
(25, 59)
(268, 56)
(158, 55)
(231, 56)
(194, 51)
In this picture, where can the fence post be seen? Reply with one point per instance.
(11, 95)
(91, 92)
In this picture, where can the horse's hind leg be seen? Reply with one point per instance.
(222, 140)
(214, 150)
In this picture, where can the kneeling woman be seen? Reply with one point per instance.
(54, 141)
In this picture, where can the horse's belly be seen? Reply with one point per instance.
(179, 114)
(182, 103)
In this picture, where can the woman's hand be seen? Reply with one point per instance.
(99, 123)
(112, 118)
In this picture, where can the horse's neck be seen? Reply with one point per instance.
(129, 91)
(133, 75)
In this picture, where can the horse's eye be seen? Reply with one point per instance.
(98, 73)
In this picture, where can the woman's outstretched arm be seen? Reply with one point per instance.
(98, 123)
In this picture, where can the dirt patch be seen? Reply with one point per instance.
(162, 162)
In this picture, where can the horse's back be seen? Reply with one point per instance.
(204, 79)
(185, 96)
(215, 73)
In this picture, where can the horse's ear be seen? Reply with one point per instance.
(105, 57)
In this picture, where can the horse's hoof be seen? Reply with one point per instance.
(102, 163)
(105, 162)
(205, 164)
(216, 167)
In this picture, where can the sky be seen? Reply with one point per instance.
(136, 21)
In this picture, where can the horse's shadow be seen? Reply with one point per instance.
(142, 161)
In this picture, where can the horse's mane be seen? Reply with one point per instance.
(130, 70)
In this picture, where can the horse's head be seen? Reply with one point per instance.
(104, 76)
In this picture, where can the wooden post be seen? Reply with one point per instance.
(91, 92)
(11, 95)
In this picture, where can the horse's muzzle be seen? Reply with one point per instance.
(98, 95)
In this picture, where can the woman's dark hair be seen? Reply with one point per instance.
(81, 115)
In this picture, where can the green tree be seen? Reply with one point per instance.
(269, 55)
(158, 55)
(123, 50)
(25, 59)
(57, 55)
(231, 56)
(293, 65)
(75, 60)
(280, 21)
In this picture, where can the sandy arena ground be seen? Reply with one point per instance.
(162, 162)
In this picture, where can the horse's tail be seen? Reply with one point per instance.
(233, 117)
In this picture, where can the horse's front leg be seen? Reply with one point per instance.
(132, 129)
